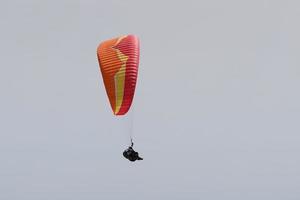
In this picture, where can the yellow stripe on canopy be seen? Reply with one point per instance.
(120, 81)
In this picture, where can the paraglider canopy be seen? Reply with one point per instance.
(119, 60)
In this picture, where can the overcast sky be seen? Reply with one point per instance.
(216, 110)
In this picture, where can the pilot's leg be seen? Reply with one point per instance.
(139, 158)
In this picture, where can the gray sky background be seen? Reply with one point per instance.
(216, 111)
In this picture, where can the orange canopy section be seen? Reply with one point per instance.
(119, 60)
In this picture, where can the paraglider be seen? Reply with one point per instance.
(119, 61)
(131, 155)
